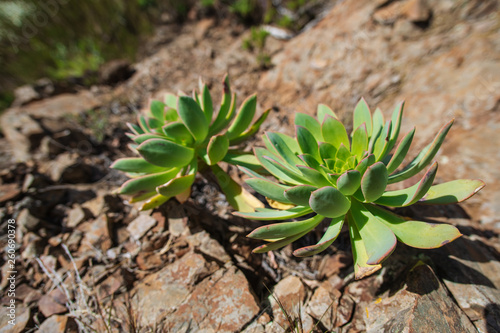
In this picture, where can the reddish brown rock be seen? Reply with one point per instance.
(224, 302)
(9, 192)
(96, 234)
(53, 303)
(421, 305)
(175, 280)
(323, 306)
(139, 226)
(58, 324)
(14, 323)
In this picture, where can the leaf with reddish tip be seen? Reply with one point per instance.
(410, 195)
(142, 197)
(323, 111)
(401, 151)
(273, 214)
(269, 189)
(243, 118)
(417, 234)
(135, 129)
(349, 182)
(329, 202)
(328, 238)
(362, 115)
(360, 257)
(250, 131)
(396, 119)
(300, 194)
(452, 192)
(307, 142)
(359, 141)
(381, 145)
(309, 122)
(374, 182)
(423, 158)
(334, 132)
(378, 239)
(285, 229)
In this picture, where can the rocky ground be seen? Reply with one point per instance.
(89, 261)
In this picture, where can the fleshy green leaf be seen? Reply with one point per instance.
(307, 142)
(334, 132)
(217, 148)
(378, 124)
(225, 112)
(146, 184)
(273, 214)
(285, 229)
(252, 130)
(193, 117)
(269, 189)
(144, 137)
(136, 164)
(378, 239)
(396, 120)
(348, 183)
(286, 170)
(237, 196)
(263, 157)
(381, 146)
(359, 141)
(313, 176)
(343, 153)
(157, 109)
(165, 153)
(328, 238)
(243, 159)
(410, 195)
(417, 234)
(135, 129)
(176, 186)
(452, 192)
(278, 244)
(171, 115)
(206, 102)
(365, 163)
(177, 131)
(154, 202)
(327, 150)
(361, 267)
(283, 149)
(401, 151)
(309, 122)
(143, 124)
(323, 111)
(170, 100)
(422, 159)
(362, 115)
(300, 194)
(374, 181)
(243, 117)
(329, 202)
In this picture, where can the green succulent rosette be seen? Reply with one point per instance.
(325, 173)
(180, 137)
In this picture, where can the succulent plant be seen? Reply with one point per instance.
(182, 136)
(324, 173)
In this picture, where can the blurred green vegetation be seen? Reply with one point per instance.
(61, 39)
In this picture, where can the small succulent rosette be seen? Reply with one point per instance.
(182, 136)
(324, 173)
